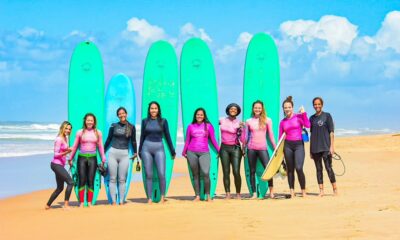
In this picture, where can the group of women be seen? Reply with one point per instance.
(237, 139)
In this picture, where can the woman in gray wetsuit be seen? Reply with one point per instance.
(151, 148)
(120, 135)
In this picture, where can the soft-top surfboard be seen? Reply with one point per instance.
(199, 89)
(120, 93)
(160, 84)
(275, 160)
(261, 82)
(85, 94)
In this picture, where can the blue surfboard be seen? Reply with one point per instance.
(120, 93)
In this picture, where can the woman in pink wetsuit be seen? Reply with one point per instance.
(255, 138)
(61, 149)
(293, 125)
(89, 141)
(231, 151)
(197, 152)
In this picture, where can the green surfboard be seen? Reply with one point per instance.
(160, 83)
(261, 82)
(199, 89)
(85, 94)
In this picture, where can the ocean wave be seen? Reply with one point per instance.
(362, 131)
(23, 154)
(30, 127)
(45, 137)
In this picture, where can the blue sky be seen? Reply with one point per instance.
(348, 52)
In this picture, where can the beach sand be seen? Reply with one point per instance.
(368, 206)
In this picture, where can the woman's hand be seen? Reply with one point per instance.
(173, 156)
(241, 124)
(301, 109)
(70, 162)
(134, 156)
(332, 150)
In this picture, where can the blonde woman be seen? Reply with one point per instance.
(61, 149)
(255, 138)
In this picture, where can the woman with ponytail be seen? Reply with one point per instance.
(255, 138)
(120, 136)
(293, 151)
(89, 141)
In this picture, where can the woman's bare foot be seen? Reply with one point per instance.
(292, 194)
(254, 196)
(271, 193)
(335, 191)
(89, 205)
(47, 207)
(321, 192)
(149, 201)
(66, 206)
(208, 198)
(196, 199)
(228, 196)
(303, 193)
(81, 205)
(163, 200)
(238, 196)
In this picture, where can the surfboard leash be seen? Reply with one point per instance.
(337, 157)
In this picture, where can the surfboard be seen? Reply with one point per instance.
(120, 93)
(199, 89)
(275, 160)
(160, 83)
(261, 82)
(86, 94)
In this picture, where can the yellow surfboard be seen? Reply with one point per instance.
(275, 161)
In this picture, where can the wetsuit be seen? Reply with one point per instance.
(198, 154)
(321, 128)
(118, 158)
(88, 142)
(256, 139)
(57, 165)
(294, 147)
(151, 149)
(230, 152)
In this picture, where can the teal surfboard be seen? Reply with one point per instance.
(160, 84)
(261, 82)
(85, 94)
(199, 89)
(120, 93)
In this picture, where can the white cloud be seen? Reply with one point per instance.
(337, 31)
(28, 32)
(228, 50)
(189, 30)
(388, 35)
(392, 69)
(142, 32)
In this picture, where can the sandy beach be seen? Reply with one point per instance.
(368, 206)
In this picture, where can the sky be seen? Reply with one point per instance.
(347, 52)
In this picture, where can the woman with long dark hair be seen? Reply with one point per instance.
(88, 140)
(255, 138)
(120, 136)
(151, 148)
(322, 144)
(293, 151)
(197, 152)
(61, 149)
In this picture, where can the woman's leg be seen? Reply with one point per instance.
(236, 158)
(252, 158)
(299, 156)
(113, 171)
(92, 168)
(60, 184)
(159, 158)
(205, 161)
(224, 155)
(317, 157)
(193, 161)
(264, 157)
(331, 174)
(147, 159)
(290, 164)
(123, 168)
(82, 172)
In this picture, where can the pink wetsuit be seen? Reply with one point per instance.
(293, 126)
(256, 137)
(88, 142)
(60, 146)
(229, 128)
(197, 138)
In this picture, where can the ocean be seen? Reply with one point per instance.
(26, 150)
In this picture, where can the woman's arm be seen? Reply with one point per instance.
(100, 146)
(271, 133)
(109, 137)
(211, 136)
(188, 138)
(168, 138)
